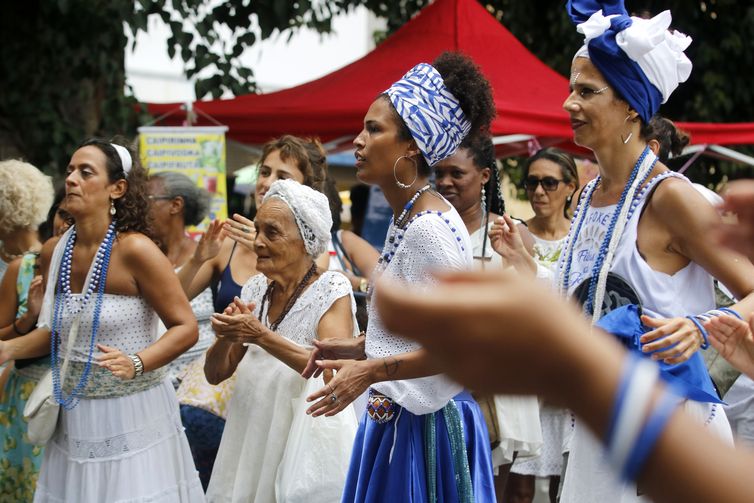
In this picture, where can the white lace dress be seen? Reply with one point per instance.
(261, 411)
(122, 449)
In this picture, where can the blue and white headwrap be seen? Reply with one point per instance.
(640, 58)
(431, 112)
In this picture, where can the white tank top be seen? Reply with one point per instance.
(688, 291)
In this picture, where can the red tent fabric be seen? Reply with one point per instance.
(528, 94)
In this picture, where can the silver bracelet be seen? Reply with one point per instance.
(138, 365)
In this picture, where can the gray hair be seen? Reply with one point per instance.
(196, 201)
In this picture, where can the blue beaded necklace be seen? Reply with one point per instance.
(64, 302)
(638, 177)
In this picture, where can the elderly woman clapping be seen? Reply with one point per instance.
(266, 338)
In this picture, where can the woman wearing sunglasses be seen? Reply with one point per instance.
(550, 181)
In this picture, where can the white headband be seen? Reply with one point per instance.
(125, 157)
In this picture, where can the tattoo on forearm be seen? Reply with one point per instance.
(391, 367)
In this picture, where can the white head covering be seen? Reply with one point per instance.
(648, 42)
(310, 208)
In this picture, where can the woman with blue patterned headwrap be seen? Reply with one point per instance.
(639, 233)
(423, 438)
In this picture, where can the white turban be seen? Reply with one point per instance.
(310, 208)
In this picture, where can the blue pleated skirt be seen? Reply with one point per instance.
(388, 460)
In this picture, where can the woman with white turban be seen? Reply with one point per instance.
(266, 338)
(639, 242)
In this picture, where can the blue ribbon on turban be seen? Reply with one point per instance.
(430, 111)
(622, 73)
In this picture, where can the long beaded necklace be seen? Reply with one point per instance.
(288, 305)
(622, 213)
(64, 302)
(393, 241)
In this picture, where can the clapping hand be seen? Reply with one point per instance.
(733, 339)
(241, 230)
(238, 324)
(210, 243)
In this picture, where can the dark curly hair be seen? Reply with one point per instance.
(131, 209)
(308, 154)
(467, 83)
(482, 152)
(671, 139)
(567, 169)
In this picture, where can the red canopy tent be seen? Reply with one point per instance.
(528, 94)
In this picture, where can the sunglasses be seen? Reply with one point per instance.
(548, 183)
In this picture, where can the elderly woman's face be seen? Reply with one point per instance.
(598, 116)
(378, 145)
(274, 168)
(460, 181)
(278, 243)
(87, 185)
(161, 207)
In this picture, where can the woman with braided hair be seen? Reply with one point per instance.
(469, 180)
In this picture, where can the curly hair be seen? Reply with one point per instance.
(466, 82)
(567, 168)
(671, 139)
(131, 209)
(196, 201)
(307, 154)
(26, 195)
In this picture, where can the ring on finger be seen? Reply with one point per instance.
(333, 398)
(245, 229)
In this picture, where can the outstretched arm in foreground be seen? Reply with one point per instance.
(489, 332)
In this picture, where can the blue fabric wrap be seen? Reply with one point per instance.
(374, 478)
(689, 378)
(622, 73)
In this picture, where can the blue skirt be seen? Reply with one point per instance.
(374, 476)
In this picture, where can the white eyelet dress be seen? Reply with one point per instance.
(124, 448)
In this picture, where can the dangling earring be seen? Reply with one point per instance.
(484, 202)
(112, 208)
(395, 174)
(630, 134)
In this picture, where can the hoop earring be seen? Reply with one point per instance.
(395, 174)
(630, 134)
(112, 208)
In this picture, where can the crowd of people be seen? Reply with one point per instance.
(280, 358)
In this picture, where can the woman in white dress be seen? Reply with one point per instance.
(469, 180)
(119, 436)
(550, 181)
(266, 338)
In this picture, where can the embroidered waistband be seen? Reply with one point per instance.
(103, 384)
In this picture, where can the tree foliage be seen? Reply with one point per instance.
(63, 72)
